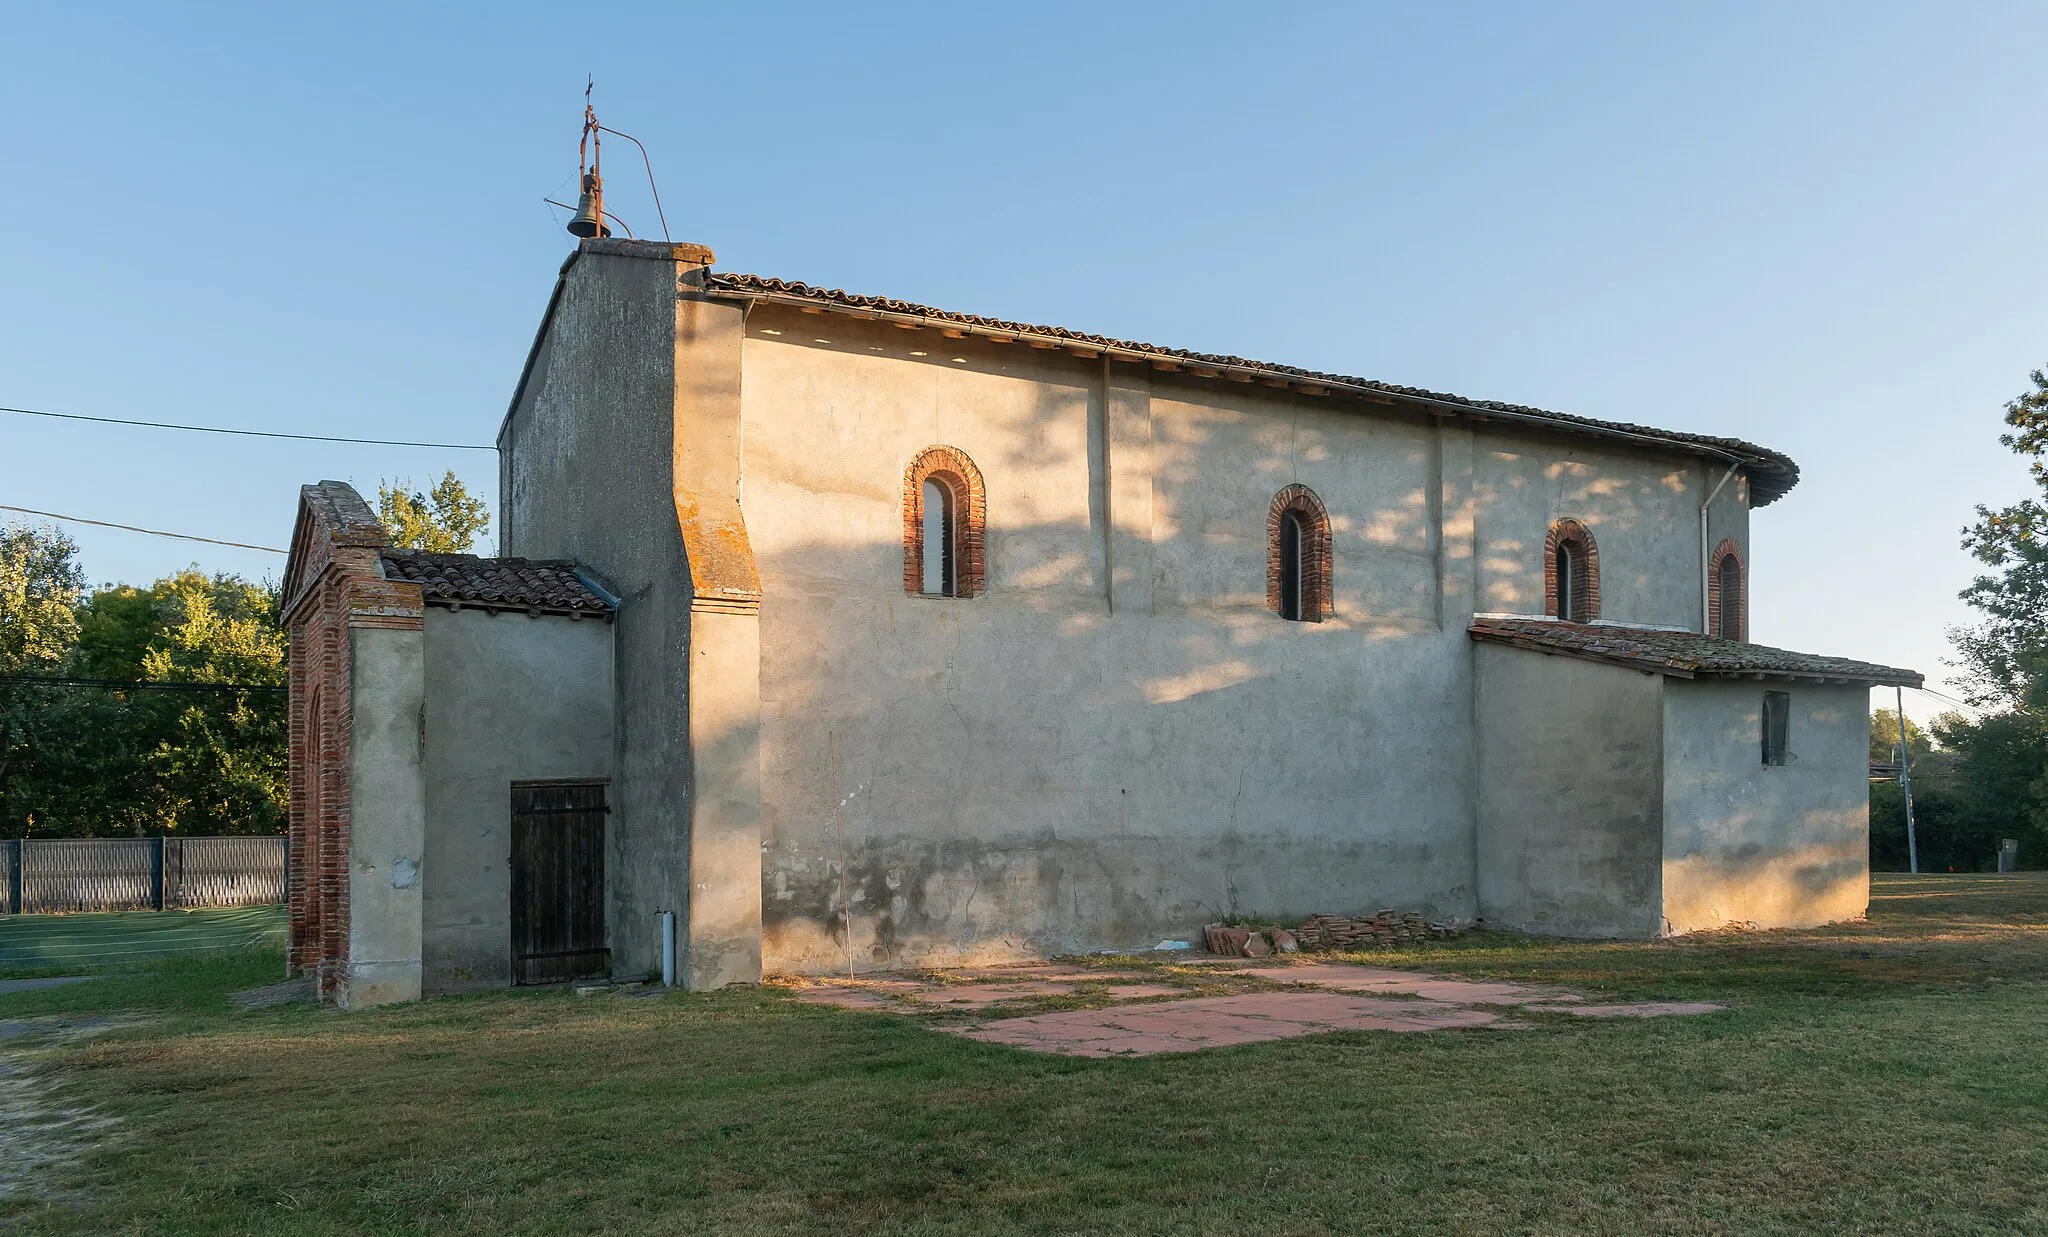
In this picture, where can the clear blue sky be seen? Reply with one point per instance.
(1819, 227)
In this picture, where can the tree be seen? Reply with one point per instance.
(40, 582)
(1998, 770)
(112, 761)
(220, 762)
(2006, 656)
(445, 520)
(1884, 738)
(1988, 777)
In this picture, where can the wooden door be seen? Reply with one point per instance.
(558, 881)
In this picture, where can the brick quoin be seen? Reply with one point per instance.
(1726, 550)
(1585, 567)
(321, 715)
(950, 467)
(1316, 601)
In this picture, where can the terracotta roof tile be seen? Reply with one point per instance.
(513, 583)
(1771, 473)
(1682, 653)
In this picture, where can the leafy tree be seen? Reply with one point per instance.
(2006, 655)
(114, 628)
(222, 765)
(446, 519)
(1987, 778)
(40, 582)
(1884, 738)
(152, 761)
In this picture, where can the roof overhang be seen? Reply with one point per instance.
(1681, 654)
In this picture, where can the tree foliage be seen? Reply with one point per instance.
(445, 520)
(40, 582)
(1985, 778)
(1972, 788)
(97, 762)
(2006, 655)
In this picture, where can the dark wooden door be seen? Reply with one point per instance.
(558, 881)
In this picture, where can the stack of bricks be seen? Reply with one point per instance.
(1386, 929)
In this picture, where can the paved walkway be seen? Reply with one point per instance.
(1286, 1000)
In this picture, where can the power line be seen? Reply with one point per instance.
(215, 429)
(1946, 699)
(79, 519)
(52, 680)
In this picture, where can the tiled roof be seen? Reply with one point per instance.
(1771, 473)
(1683, 654)
(510, 583)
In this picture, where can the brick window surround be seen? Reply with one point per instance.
(950, 467)
(1302, 503)
(1724, 554)
(1585, 559)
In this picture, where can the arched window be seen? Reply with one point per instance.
(944, 512)
(940, 569)
(1298, 556)
(1571, 573)
(1727, 600)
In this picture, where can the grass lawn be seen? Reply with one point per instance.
(37, 944)
(1885, 1077)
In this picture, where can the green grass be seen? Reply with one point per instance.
(50, 944)
(1885, 1077)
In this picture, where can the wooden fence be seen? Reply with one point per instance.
(54, 875)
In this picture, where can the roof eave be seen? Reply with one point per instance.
(1873, 676)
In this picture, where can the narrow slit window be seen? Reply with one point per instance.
(1298, 556)
(1777, 727)
(1567, 594)
(1572, 564)
(1290, 567)
(1730, 580)
(938, 540)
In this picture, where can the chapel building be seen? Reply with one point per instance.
(836, 631)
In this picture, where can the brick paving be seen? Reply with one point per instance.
(1347, 978)
(1310, 998)
(1218, 1021)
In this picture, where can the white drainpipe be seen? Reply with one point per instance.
(668, 949)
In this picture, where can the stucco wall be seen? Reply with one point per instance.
(1642, 509)
(1116, 741)
(508, 698)
(1774, 846)
(1571, 787)
(387, 818)
(1050, 766)
(587, 474)
(1065, 764)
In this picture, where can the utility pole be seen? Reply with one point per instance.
(1906, 778)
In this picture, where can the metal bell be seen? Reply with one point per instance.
(589, 220)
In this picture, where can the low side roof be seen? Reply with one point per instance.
(503, 583)
(1771, 473)
(1681, 654)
